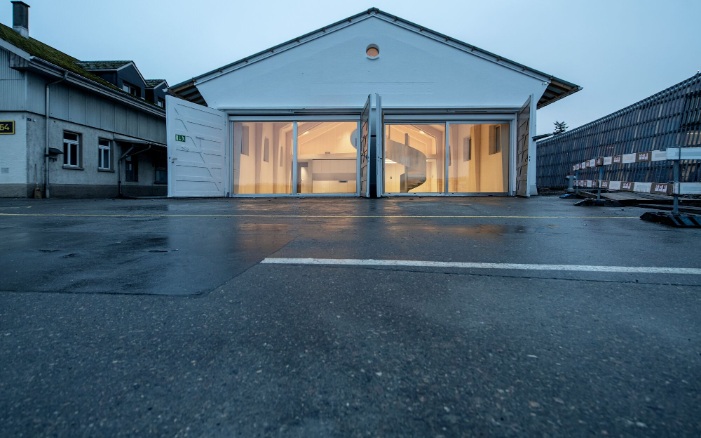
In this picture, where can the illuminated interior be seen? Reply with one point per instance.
(263, 158)
(415, 158)
(326, 157)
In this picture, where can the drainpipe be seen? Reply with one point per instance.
(46, 144)
(119, 171)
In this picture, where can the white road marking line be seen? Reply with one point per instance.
(502, 266)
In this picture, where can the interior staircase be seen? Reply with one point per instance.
(412, 159)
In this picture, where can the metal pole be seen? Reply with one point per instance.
(295, 176)
(576, 182)
(675, 209)
(601, 177)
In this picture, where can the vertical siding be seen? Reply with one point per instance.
(26, 92)
(670, 118)
(94, 111)
(36, 94)
(77, 106)
(132, 127)
(58, 102)
(107, 115)
(12, 85)
(120, 119)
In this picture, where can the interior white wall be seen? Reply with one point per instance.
(333, 71)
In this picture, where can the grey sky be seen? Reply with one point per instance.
(620, 51)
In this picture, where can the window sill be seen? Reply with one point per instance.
(105, 170)
(67, 167)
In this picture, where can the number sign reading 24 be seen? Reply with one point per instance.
(7, 127)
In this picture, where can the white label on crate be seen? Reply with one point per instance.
(629, 158)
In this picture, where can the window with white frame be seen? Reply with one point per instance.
(71, 150)
(104, 154)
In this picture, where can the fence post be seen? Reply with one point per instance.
(675, 189)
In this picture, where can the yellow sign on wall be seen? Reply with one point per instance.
(7, 127)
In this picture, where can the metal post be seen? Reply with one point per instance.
(601, 177)
(675, 190)
(295, 176)
(576, 184)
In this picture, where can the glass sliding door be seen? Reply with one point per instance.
(327, 157)
(414, 158)
(262, 158)
(479, 158)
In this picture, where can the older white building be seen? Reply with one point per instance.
(76, 129)
(372, 105)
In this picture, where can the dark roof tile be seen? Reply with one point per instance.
(103, 65)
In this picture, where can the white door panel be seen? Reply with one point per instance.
(197, 150)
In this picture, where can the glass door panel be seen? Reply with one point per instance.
(479, 158)
(327, 157)
(414, 158)
(262, 158)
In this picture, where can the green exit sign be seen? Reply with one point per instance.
(7, 127)
(179, 137)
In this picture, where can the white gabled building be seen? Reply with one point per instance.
(371, 106)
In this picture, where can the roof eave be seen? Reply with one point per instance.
(557, 89)
(188, 91)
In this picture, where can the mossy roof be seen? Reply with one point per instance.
(47, 53)
(103, 65)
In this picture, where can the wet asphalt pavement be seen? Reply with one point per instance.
(156, 318)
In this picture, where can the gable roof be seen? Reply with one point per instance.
(48, 60)
(556, 90)
(153, 83)
(111, 66)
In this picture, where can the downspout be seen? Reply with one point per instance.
(119, 171)
(46, 145)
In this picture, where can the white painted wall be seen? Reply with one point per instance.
(13, 151)
(334, 72)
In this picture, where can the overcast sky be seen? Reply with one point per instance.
(620, 51)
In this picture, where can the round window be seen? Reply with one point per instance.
(372, 51)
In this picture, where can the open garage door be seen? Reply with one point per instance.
(198, 157)
(522, 148)
(371, 148)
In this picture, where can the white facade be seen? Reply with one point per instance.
(468, 100)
